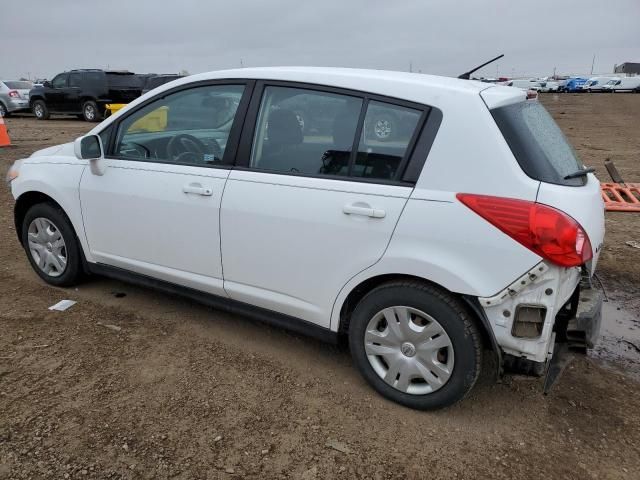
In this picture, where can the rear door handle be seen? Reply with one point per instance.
(197, 189)
(364, 210)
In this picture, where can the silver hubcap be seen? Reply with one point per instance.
(47, 247)
(38, 110)
(382, 128)
(409, 350)
(89, 112)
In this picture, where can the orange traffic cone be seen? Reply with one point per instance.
(5, 141)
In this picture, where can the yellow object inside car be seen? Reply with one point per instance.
(155, 121)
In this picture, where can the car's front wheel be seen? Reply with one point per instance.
(51, 245)
(415, 344)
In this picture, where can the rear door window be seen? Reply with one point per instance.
(75, 80)
(312, 132)
(302, 131)
(537, 143)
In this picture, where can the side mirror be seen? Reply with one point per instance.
(46, 83)
(89, 148)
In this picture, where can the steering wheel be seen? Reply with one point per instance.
(183, 145)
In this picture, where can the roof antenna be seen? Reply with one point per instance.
(467, 75)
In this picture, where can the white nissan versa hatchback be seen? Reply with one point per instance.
(469, 227)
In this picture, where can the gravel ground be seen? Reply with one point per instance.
(144, 385)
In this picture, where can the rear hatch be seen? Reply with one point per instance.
(22, 87)
(123, 87)
(544, 154)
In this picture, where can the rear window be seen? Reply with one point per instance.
(19, 85)
(123, 80)
(537, 142)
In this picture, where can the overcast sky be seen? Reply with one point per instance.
(39, 38)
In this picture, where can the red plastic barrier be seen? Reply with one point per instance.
(619, 197)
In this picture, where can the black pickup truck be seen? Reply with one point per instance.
(84, 93)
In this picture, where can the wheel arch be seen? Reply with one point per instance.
(470, 302)
(30, 198)
(33, 100)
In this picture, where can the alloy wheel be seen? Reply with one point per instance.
(409, 350)
(382, 128)
(47, 247)
(89, 112)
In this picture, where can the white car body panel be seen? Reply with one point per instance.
(288, 246)
(584, 204)
(137, 217)
(36, 174)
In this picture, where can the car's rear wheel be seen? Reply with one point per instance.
(415, 344)
(51, 245)
(40, 110)
(90, 111)
(3, 110)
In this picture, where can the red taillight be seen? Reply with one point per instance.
(550, 233)
(14, 94)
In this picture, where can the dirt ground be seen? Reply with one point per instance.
(182, 391)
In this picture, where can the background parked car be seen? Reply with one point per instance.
(550, 86)
(84, 93)
(14, 96)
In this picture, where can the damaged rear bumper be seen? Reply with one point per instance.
(577, 333)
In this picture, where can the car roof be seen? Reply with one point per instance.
(383, 82)
(432, 90)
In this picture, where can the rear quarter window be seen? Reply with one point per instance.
(119, 80)
(537, 143)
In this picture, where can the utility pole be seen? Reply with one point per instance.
(241, 64)
(593, 62)
(410, 66)
(554, 73)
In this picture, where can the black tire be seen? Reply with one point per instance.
(91, 112)
(3, 110)
(40, 110)
(72, 272)
(452, 316)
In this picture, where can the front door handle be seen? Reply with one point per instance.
(197, 189)
(364, 210)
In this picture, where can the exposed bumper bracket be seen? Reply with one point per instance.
(582, 332)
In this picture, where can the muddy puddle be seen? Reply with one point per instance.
(619, 344)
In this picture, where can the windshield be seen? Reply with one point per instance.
(19, 85)
(537, 142)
